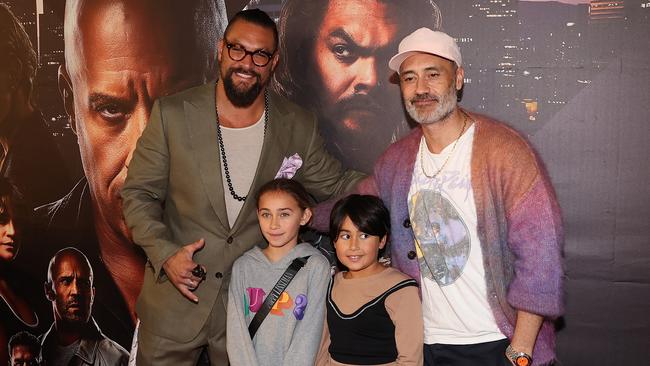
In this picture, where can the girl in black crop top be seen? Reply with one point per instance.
(374, 315)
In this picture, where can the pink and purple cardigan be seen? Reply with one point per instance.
(519, 224)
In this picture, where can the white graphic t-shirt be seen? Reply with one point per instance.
(443, 219)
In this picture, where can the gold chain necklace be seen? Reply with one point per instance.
(448, 156)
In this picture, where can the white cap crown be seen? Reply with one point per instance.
(427, 41)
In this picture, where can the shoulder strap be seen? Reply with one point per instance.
(398, 286)
(277, 290)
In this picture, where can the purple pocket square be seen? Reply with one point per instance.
(289, 167)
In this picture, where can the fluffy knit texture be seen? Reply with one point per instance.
(519, 224)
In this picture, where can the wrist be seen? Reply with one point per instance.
(518, 357)
(522, 347)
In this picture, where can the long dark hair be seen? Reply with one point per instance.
(299, 23)
(12, 206)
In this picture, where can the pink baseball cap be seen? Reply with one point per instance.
(427, 41)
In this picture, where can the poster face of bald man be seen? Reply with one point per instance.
(71, 288)
(120, 56)
(119, 60)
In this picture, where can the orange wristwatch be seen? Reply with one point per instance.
(519, 358)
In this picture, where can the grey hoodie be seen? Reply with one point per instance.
(291, 332)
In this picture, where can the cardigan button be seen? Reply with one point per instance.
(411, 254)
(229, 240)
(407, 223)
(218, 275)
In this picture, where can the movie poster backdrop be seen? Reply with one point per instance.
(570, 75)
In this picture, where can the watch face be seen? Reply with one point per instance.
(522, 361)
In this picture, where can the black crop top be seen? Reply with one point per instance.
(367, 336)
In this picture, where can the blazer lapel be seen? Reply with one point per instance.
(274, 148)
(201, 118)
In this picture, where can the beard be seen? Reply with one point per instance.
(350, 124)
(446, 104)
(239, 96)
(75, 313)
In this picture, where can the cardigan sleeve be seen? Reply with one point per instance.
(518, 211)
(535, 239)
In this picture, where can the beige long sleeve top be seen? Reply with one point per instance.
(403, 306)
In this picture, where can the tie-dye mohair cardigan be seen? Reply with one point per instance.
(519, 224)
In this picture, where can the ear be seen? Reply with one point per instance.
(220, 50)
(274, 60)
(460, 76)
(306, 216)
(65, 90)
(382, 242)
(49, 293)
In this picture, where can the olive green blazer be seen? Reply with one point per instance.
(173, 195)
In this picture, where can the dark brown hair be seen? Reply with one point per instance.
(15, 46)
(367, 213)
(12, 206)
(25, 339)
(299, 23)
(257, 17)
(291, 187)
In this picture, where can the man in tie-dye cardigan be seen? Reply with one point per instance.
(474, 219)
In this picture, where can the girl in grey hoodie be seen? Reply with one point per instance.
(290, 334)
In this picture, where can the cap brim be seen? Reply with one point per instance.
(396, 61)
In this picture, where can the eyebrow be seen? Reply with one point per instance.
(269, 53)
(430, 68)
(95, 99)
(341, 33)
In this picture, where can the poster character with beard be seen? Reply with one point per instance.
(335, 63)
(188, 195)
(75, 338)
(119, 57)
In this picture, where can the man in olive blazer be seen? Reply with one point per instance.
(174, 195)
